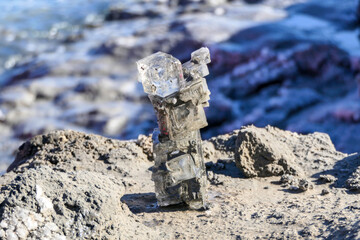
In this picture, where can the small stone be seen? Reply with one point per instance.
(325, 191)
(38, 218)
(17, 96)
(309, 231)
(145, 142)
(295, 183)
(22, 213)
(327, 178)
(305, 184)
(287, 179)
(293, 188)
(213, 178)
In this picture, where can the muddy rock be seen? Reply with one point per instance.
(324, 192)
(261, 155)
(264, 152)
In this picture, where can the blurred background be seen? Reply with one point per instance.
(70, 64)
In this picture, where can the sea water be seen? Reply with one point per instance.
(29, 27)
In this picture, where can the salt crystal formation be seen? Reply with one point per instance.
(179, 94)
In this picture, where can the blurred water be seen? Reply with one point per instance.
(279, 64)
(28, 27)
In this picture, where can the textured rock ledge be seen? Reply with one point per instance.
(66, 185)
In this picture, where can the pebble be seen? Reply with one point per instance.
(325, 191)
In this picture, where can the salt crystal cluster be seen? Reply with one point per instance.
(161, 74)
(179, 94)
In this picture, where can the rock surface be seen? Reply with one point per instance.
(67, 184)
(269, 151)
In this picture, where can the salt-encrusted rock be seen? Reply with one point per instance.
(263, 152)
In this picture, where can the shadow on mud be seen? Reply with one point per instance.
(225, 167)
(147, 203)
(341, 171)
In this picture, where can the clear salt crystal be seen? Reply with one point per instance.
(161, 74)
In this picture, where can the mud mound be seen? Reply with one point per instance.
(48, 203)
(264, 152)
(70, 150)
(70, 184)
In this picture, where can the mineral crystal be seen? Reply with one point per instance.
(160, 74)
(179, 94)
